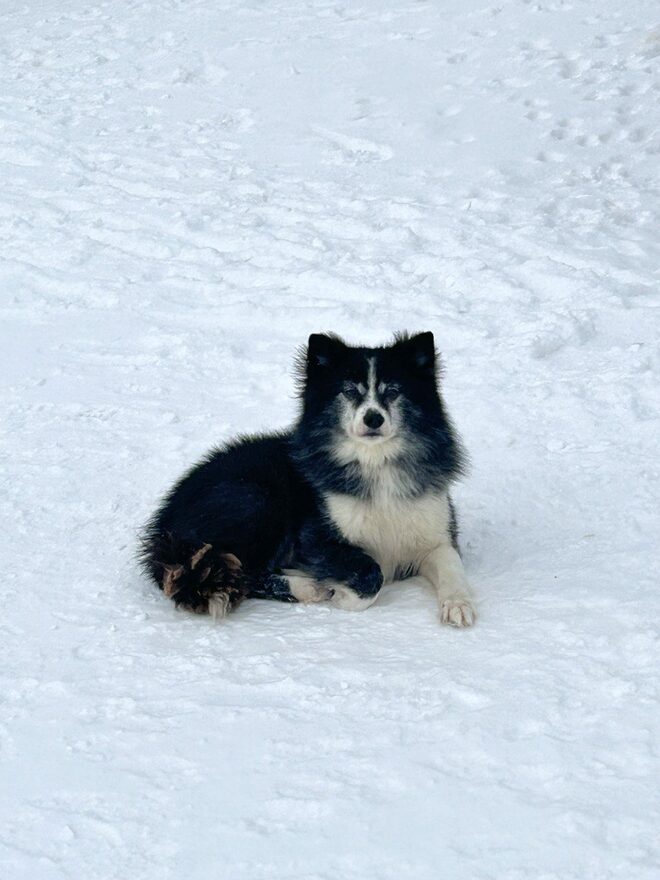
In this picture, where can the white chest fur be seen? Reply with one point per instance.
(397, 532)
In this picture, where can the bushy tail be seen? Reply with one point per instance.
(196, 577)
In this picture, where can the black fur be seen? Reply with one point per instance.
(256, 505)
(433, 456)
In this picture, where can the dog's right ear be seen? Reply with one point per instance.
(314, 360)
(322, 350)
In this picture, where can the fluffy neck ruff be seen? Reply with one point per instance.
(407, 465)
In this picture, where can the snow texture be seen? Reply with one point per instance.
(188, 190)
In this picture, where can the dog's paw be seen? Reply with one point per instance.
(349, 600)
(458, 611)
(308, 590)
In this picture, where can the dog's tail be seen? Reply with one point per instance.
(196, 577)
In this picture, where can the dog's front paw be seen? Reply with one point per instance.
(348, 599)
(458, 611)
(360, 591)
(308, 590)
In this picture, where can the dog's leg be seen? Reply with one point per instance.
(347, 598)
(444, 569)
(293, 585)
(290, 586)
(353, 578)
(304, 587)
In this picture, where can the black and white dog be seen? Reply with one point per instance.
(354, 495)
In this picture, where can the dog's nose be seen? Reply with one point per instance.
(373, 419)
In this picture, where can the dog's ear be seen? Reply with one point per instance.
(323, 349)
(420, 351)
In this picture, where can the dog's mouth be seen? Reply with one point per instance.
(371, 436)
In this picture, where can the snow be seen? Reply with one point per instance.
(188, 190)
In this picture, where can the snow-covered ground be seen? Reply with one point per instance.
(190, 188)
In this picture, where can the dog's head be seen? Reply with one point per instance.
(370, 396)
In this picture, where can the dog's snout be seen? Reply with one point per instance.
(373, 419)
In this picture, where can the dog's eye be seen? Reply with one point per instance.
(391, 393)
(351, 392)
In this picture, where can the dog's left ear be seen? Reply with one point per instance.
(420, 349)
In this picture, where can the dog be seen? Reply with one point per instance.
(354, 495)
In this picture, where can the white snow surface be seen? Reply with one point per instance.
(188, 190)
